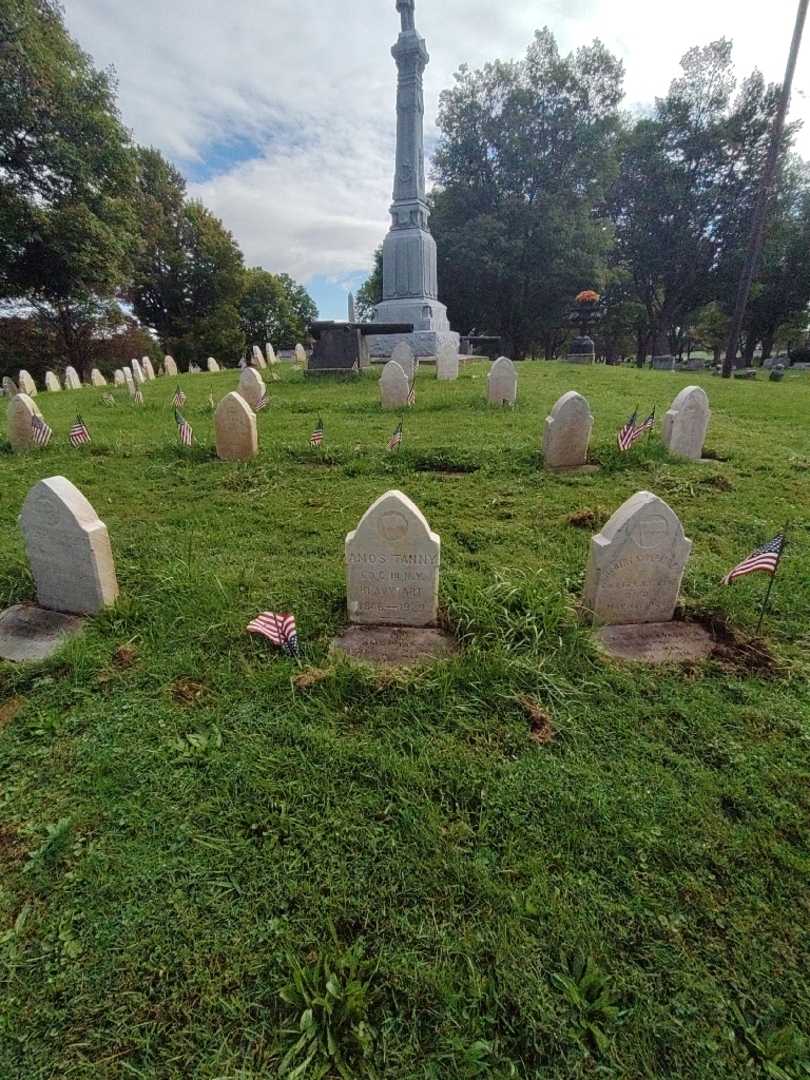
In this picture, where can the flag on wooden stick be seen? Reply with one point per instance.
(179, 399)
(184, 430)
(764, 560)
(280, 629)
(41, 432)
(263, 401)
(108, 399)
(316, 438)
(137, 397)
(78, 433)
(395, 442)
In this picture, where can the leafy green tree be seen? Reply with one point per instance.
(370, 292)
(710, 328)
(301, 311)
(67, 231)
(274, 308)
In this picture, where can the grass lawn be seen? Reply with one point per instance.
(522, 863)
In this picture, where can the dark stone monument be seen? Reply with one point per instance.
(342, 348)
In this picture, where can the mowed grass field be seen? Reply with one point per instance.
(526, 862)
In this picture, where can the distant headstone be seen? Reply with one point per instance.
(138, 373)
(567, 433)
(96, 378)
(271, 354)
(663, 363)
(195, 369)
(169, 367)
(258, 358)
(72, 380)
(394, 387)
(502, 382)
(212, 365)
(300, 355)
(251, 386)
(392, 565)
(119, 378)
(52, 383)
(750, 373)
(582, 351)
(404, 355)
(21, 409)
(148, 369)
(236, 435)
(27, 384)
(447, 364)
(637, 564)
(9, 387)
(130, 382)
(68, 549)
(686, 423)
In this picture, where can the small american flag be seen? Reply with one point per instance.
(395, 442)
(184, 430)
(764, 559)
(41, 432)
(412, 394)
(648, 424)
(179, 399)
(137, 397)
(263, 401)
(78, 433)
(316, 438)
(280, 629)
(108, 399)
(633, 431)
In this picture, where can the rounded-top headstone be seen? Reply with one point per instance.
(404, 355)
(52, 384)
(119, 378)
(138, 372)
(447, 364)
(567, 433)
(394, 386)
(235, 425)
(9, 387)
(502, 382)
(68, 548)
(686, 423)
(258, 358)
(271, 354)
(96, 378)
(72, 380)
(21, 408)
(300, 355)
(212, 365)
(169, 366)
(27, 384)
(148, 369)
(251, 386)
(637, 564)
(392, 565)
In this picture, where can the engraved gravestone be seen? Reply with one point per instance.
(96, 378)
(9, 387)
(52, 383)
(271, 354)
(169, 366)
(502, 382)
(212, 365)
(72, 380)
(68, 548)
(235, 425)
(258, 358)
(404, 355)
(148, 369)
(27, 384)
(447, 364)
(392, 565)
(138, 372)
(300, 355)
(21, 409)
(119, 378)
(686, 423)
(567, 433)
(130, 382)
(394, 387)
(637, 564)
(251, 386)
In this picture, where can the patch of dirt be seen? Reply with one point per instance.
(310, 677)
(719, 483)
(187, 692)
(125, 656)
(11, 847)
(9, 709)
(712, 455)
(586, 519)
(541, 729)
(736, 653)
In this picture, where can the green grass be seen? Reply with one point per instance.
(207, 871)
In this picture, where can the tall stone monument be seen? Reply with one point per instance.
(410, 276)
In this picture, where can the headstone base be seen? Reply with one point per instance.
(30, 633)
(395, 646)
(423, 343)
(656, 643)
(575, 470)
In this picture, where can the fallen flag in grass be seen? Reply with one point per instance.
(108, 399)
(79, 433)
(764, 560)
(184, 429)
(316, 438)
(263, 402)
(179, 399)
(280, 629)
(395, 442)
(137, 397)
(41, 432)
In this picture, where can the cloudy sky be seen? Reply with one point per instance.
(281, 112)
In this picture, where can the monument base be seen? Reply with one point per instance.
(395, 646)
(431, 328)
(30, 633)
(657, 643)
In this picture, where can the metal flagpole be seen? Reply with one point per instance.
(773, 578)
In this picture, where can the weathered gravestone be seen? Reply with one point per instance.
(212, 365)
(27, 384)
(637, 564)
(9, 387)
(567, 433)
(21, 409)
(68, 548)
(300, 355)
(447, 363)
(271, 354)
(169, 367)
(72, 380)
(251, 386)
(502, 382)
(119, 378)
(138, 372)
(235, 424)
(52, 384)
(130, 382)
(148, 369)
(394, 387)
(686, 423)
(258, 360)
(404, 355)
(96, 378)
(392, 565)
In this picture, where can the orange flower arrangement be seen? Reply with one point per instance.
(588, 297)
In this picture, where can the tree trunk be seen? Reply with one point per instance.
(748, 351)
(767, 343)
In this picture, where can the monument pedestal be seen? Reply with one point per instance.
(431, 328)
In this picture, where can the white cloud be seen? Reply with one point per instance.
(310, 83)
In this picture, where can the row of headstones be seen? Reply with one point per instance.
(393, 560)
(396, 381)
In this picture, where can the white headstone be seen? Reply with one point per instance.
(258, 358)
(9, 387)
(686, 423)
(301, 355)
(251, 386)
(138, 372)
(21, 408)
(394, 387)
(271, 354)
(404, 355)
(72, 380)
(119, 378)
(637, 564)
(148, 369)
(568, 433)
(236, 434)
(27, 384)
(392, 565)
(213, 366)
(96, 378)
(169, 366)
(130, 382)
(502, 382)
(68, 548)
(52, 383)
(447, 364)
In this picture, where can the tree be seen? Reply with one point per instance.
(371, 291)
(526, 157)
(67, 231)
(274, 308)
(301, 311)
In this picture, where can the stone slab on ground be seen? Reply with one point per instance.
(395, 646)
(657, 643)
(29, 633)
(575, 470)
